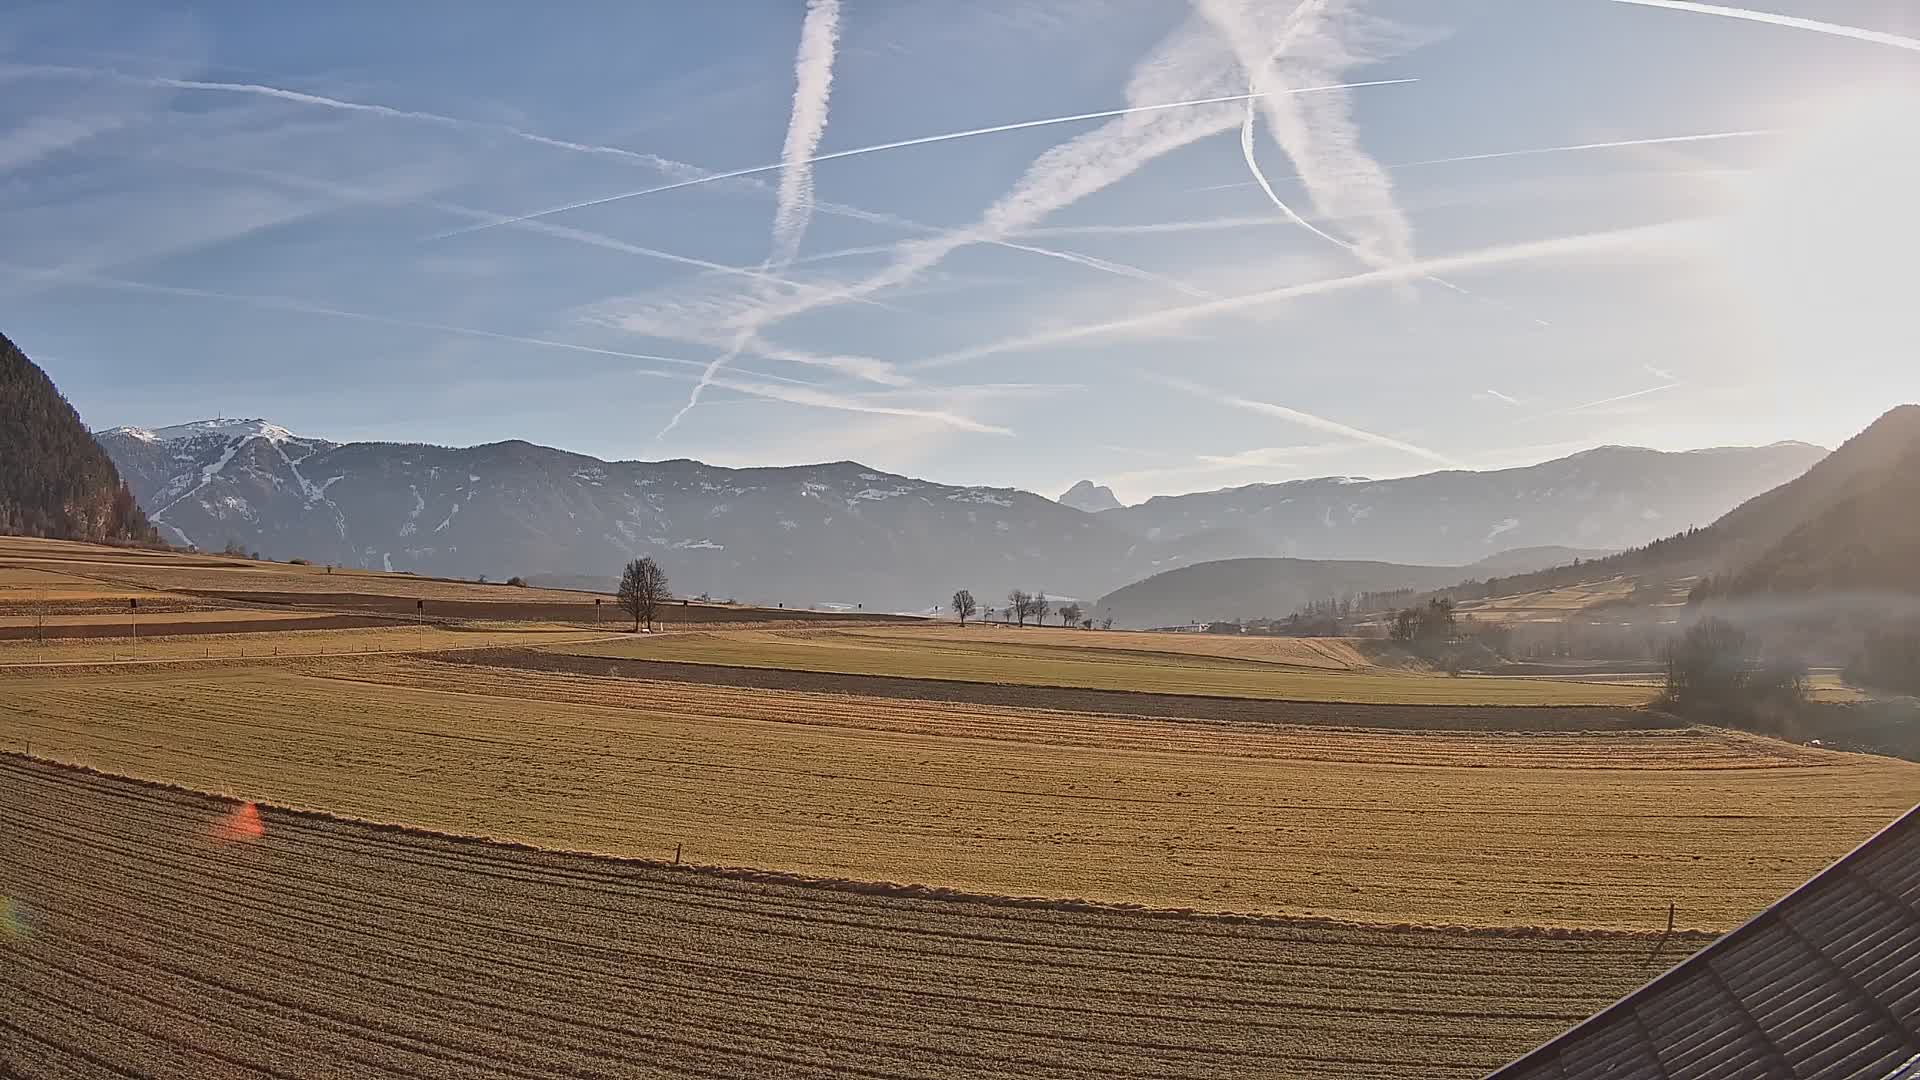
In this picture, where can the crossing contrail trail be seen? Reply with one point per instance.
(1768, 17)
(1253, 166)
(653, 161)
(921, 141)
(793, 202)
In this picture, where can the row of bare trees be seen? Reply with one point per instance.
(1022, 606)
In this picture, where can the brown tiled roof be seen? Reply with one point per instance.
(1825, 983)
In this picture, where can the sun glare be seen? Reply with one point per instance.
(1821, 241)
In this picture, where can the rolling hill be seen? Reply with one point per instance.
(55, 480)
(1233, 589)
(1851, 523)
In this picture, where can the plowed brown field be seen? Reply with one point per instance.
(142, 944)
(1483, 829)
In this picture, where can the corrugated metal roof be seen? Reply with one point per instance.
(1825, 983)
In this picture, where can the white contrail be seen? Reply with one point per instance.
(1307, 419)
(1338, 174)
(1607, 401)
(1317, 40)
(925, 140)
(1498, 396)
(707, 375)
(1260, 178)
(1581, 244)
(1189, 63)
(793, 202)
(1836, 29)
(813, 83)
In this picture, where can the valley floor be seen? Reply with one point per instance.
(500, 839)
(147, 936)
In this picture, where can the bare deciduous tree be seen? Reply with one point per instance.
(1019, 605)
(643, 588)
(1040, 607)
(1069, 614)
(964, 606)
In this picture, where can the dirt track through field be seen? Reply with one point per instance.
(1123, 702)
(140, 942)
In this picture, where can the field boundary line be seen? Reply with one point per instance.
(902, 890)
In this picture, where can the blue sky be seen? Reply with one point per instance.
(302, 214)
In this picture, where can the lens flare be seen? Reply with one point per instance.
(243, 823)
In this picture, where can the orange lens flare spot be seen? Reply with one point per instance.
(242, 824)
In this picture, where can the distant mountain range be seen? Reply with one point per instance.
(846, 533)
(1611, 498)
(54, 480)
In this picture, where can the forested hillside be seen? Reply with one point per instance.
(54, 479)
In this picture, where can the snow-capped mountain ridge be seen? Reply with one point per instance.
(200, 429)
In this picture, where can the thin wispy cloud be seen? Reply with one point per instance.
(282, 303)
(814, 397)
(1307, 420)
(49, 133)
(1836, 29)
(1660, 373)
(689, 175)
(1618, 240)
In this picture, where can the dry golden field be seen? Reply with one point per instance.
(1479, 829)
(400, 638)
(984, 654)
(1548, 605)
(155, 933)
(138, 570)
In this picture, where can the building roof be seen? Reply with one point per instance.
(1825, 983)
